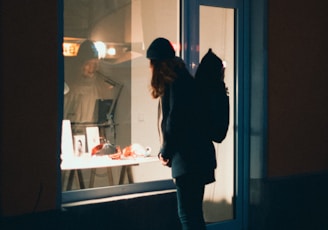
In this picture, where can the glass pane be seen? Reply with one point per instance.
(217, 32)
(110, 119)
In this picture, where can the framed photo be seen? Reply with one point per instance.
(92, 137)
(79, 145)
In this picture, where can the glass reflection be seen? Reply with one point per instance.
(217, 32)
(107, 101)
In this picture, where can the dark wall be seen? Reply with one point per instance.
(29, 106)
(297, 87)
(292, 194)
(141, 213)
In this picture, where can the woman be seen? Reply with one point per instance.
(184, 148)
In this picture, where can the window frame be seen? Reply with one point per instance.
(89, 194)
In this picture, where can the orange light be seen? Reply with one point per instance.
(70, 49)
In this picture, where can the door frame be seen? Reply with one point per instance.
(190, 53)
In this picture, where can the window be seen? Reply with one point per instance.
(108, 108)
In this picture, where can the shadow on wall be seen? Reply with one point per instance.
(296, 202)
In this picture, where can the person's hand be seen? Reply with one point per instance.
(164, 162)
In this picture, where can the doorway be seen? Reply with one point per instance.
(219, 25)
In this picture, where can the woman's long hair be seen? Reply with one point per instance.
(164, 73)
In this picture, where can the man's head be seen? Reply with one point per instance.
(88, 57)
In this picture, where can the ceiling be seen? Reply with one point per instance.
(97, 19)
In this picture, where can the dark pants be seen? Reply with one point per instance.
(190, 193)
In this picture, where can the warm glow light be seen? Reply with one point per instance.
(111, 51)
(70, 49)
(176, 46)
(101, 48)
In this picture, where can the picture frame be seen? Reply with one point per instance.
(79, 145)
(92, 137)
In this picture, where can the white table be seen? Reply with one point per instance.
(76, 164)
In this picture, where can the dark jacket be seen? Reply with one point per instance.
(184, 144)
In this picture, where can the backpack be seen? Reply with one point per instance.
(213, 97)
